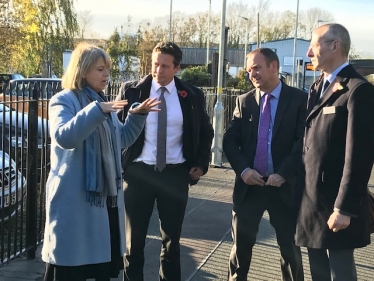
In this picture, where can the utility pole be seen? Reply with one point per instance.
(295, 45)
(246, 41)
(218, 109)
(208, 35)
(258, 30)
(170, 19)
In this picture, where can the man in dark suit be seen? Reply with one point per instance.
(337, 160)
(263, 144)
(164, 160)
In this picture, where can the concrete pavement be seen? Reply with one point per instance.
(206, 241)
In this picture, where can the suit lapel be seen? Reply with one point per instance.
(284, 99)
(189, 120)
(334, 90)
(254, 105)
(314, 94)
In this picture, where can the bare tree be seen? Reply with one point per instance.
(278, 26)
(84, 21)
(263, 10)
(201, 21)
(312, 18)
(239, 18)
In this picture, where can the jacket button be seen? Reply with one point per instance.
(306, 149)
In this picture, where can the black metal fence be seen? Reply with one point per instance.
(25, 158)
(24, 164)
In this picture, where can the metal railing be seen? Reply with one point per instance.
(25, 152)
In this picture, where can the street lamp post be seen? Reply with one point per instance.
(295, 45)
(258, 31)
(208, 35)
(170, 19)
(218, 108)
(246, 40)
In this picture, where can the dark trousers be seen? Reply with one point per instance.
(336, 265)
(245, 224)
(169, 189)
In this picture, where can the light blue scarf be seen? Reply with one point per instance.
(103, 171)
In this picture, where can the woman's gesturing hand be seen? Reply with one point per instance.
(112, 106)
(146, 106)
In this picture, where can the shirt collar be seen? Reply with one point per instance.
(275, 92)
(332, 76)
(170, 87)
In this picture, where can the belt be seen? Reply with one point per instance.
(168, 166)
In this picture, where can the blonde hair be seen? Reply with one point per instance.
(82, 59)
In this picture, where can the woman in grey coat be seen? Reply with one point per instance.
(84, 231)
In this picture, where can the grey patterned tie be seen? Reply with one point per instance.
(161, 133)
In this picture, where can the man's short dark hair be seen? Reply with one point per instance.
(269, 55)
(169, 48)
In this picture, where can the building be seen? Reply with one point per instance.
(284, 48)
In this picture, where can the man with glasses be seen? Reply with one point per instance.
(263, 144)
(337, 160)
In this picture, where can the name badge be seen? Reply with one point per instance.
(329, 110)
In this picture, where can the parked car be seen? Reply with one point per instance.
(17, 94)
(14, 133)
(5, 78)
(12, 187)
(54, 76)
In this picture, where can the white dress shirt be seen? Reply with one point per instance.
(174, 130)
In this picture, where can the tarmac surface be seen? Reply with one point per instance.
(206, 241)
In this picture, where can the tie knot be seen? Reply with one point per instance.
(325, 85)
(267, 97)
(163, 89)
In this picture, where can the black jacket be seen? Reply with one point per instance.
(197, 128)
(337, 161)
(240, 139)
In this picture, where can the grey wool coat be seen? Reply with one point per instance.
(77, 233)
(338, 158)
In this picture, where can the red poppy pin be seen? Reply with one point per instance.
(337, 87)
(183, 93)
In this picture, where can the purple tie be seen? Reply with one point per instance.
(261, 158)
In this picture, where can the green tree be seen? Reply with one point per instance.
(197, 76)
(240, 81)
(47, 28)
(9, 36)
(121, 51)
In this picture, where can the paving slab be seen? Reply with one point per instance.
(206, 241)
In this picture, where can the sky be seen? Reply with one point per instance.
(356, 15)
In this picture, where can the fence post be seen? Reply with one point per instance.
(31, 165)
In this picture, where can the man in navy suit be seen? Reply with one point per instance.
(265, 161)
(189, 135)
(337, 160)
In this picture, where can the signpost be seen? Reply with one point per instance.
(308, 66)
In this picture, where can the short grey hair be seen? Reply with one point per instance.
(338, 32)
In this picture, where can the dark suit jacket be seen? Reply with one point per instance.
(197, 128)
(240, 138)
(338, 158)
